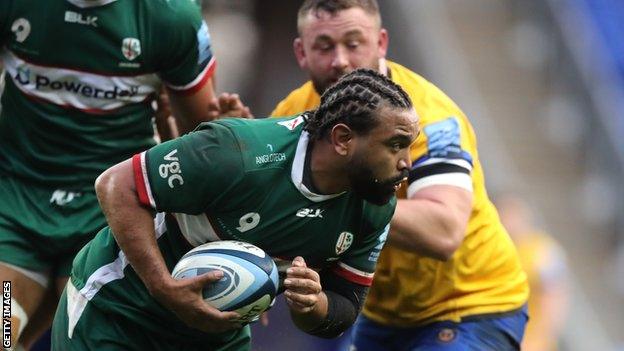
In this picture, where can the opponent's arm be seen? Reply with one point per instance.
(133, 228)
(432, 221)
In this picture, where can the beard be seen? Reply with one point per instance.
(321, 83)
(370, 188)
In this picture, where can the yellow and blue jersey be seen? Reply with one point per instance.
(484, 276)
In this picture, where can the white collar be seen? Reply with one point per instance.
(297, 171)
(90, 3)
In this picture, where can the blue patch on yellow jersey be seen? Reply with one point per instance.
(443, 138)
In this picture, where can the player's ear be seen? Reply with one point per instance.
(341, 138)
(383, 42)
(300, 53)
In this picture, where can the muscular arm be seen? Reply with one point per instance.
(132, 224)
(133, 228)
(192, 109)
(432, 222)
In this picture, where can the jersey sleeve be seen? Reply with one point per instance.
(5, 25)
(189, 62)
(357, 265)
(189, 174)
(442, 155)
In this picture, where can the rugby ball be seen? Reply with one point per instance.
(250, 278)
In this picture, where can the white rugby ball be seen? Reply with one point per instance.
(250, 278)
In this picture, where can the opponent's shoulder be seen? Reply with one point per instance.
(430, 102)
(299, 100)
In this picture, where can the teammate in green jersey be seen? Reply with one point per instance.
(80, 79)
(315, 191)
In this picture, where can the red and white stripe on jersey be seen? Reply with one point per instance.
(141, 180)
(353, 274)
(73, 88)
(197, 83)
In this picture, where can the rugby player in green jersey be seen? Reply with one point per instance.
(80, 79)
(315, 191)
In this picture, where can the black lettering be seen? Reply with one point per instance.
(96, 92)
(41, 81)
(87, 91)
(72, 86)
(111, 94)
(56, 85)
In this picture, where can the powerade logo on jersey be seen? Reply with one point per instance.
(44, 83)
(203, 44)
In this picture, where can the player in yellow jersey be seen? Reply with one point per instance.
(449, 277)
(544, 261)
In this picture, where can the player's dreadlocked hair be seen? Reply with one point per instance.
(353, 100)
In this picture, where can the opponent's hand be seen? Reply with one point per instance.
(184, 298)
(229, 105)
(303, 287)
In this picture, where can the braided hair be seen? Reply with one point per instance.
(353, 100)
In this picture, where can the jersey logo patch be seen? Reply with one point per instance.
(310, 212)
(344, 242)
(248, 222)
(291, 124)
(443, 138)
(75, 17)
(21, 28)
(131, 48)
(63, 197)
(171, 170)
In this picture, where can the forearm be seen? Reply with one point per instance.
(427, 227)
(132, 225)
(311, 320)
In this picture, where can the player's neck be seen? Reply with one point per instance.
(327, 172)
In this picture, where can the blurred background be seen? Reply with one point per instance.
(543, 84)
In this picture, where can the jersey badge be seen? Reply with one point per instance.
(291, 124)
(131, 48)
(345, 239)
(63, 197)
(21, 28)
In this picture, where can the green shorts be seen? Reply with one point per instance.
(42, 228)
(93, 329)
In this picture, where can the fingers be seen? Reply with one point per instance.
(299, 262)
(302, 286)
(264, 319)
(211, 320)
(199, 282)
(301, 303)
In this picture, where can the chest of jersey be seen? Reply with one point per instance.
(285, 224)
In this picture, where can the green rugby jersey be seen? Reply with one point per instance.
(231, 180)
(81, 76)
